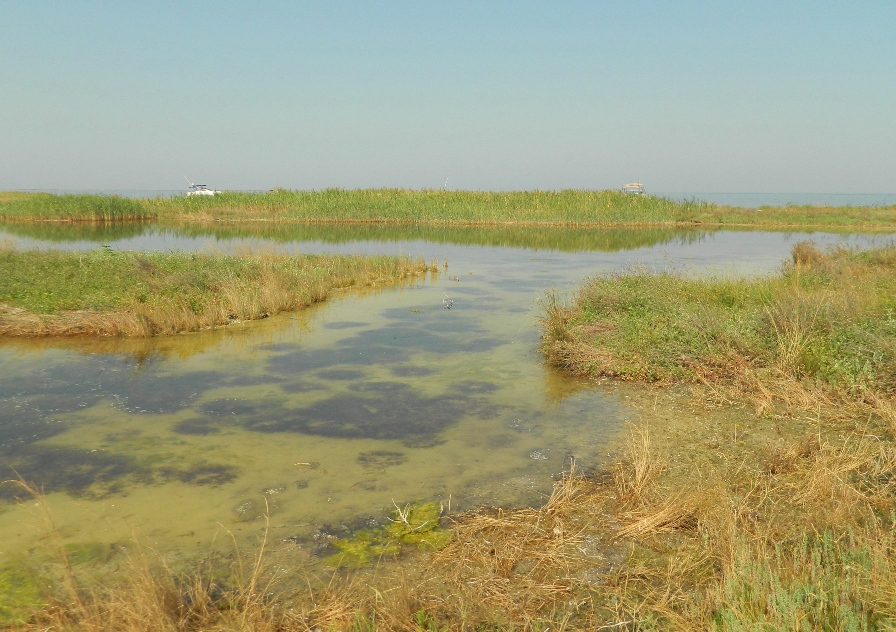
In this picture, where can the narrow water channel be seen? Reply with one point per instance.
(328, 418)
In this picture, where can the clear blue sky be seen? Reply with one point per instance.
(760, 96)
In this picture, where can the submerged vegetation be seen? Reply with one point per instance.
(438, 207)
(416, 524)
(108, 292)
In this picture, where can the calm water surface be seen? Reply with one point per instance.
(327, 416)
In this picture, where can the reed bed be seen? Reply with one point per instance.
(567, 208)
(92, 208)
(402, 206)
(108, 292)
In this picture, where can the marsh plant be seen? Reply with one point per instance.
(566, 208)
(85, 207)
(817, 332)
(109, 292)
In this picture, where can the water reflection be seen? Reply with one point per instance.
(152, 236)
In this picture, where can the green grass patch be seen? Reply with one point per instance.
(111, 292)
(827, 322)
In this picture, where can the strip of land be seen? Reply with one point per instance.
(108, 292)
(436, 207)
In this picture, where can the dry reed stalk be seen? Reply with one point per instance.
(635, 476)
(677, 513)
(518, 562)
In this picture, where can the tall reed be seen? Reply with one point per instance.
(85, 207)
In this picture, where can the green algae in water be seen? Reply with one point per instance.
(416, 524)
(89, 552)
(19, 596)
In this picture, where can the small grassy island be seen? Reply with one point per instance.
(109, 292)
(436, 207)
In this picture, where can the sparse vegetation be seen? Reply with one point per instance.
(108, 292)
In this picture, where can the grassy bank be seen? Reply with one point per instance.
(93, 208)
(437, 207)
(824, 328)
(107, 292)
(783, 521)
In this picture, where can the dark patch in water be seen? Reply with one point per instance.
(78, 384)
(97, 474)
(344, 324)
(391, 415)
(165, 394)
(470, 387)
(204, 474)
(53, 403)
(77, 472)
(341, 374)
(229, 406)
(21, 424)
(301, 387)
(200, 427)
(381, 459)
(412, 371)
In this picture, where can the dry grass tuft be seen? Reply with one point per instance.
(635, 476)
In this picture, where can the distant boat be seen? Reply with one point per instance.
(634, 188)
(199, 189)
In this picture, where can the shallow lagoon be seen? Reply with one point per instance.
(326, 417)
